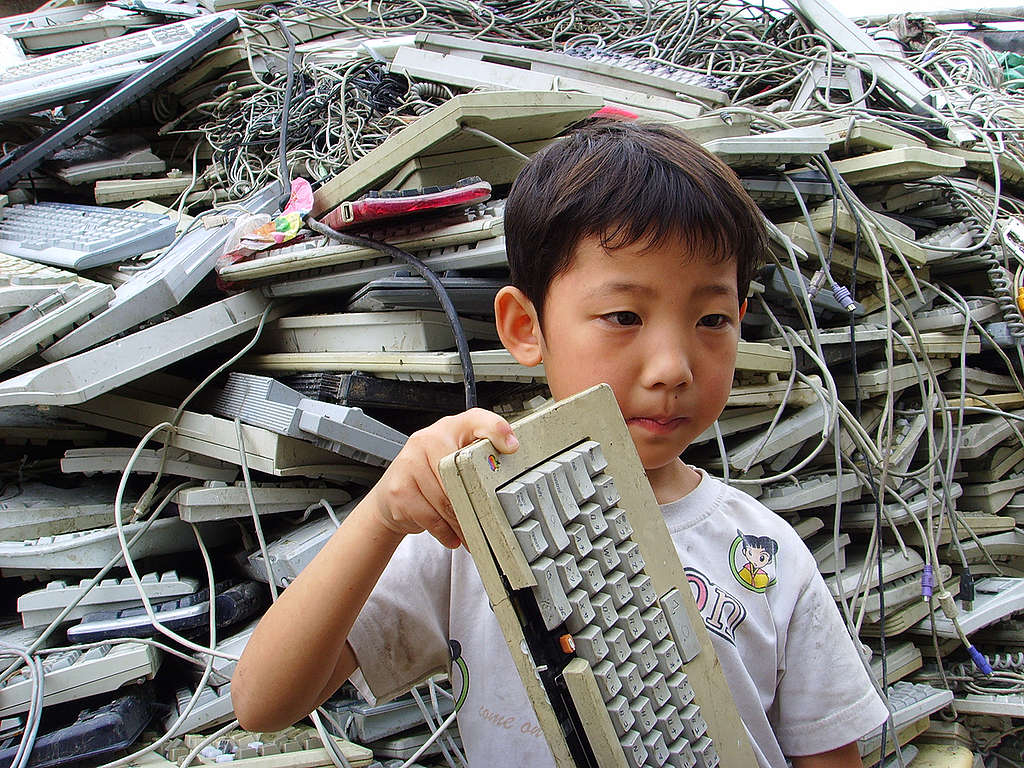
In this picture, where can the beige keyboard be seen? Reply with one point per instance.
(567, 534)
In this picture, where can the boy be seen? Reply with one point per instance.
(631, 250)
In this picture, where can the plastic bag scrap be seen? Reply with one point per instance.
(257, 232)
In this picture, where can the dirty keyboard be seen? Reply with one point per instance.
(568, 529)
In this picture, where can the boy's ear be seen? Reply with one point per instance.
(518, 326)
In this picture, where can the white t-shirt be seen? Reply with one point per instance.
(785, 651)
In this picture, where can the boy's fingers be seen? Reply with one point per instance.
(441, 521)
(485, 424)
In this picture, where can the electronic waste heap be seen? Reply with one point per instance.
(197, 384)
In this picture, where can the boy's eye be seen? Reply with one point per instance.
(623, 318)
(714, 321)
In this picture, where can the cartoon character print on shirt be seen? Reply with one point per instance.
(752, 560)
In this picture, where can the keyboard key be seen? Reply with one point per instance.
(605, 492)
(629, 554)
(641, 653)
(593, 579)
(619, 524)
(632, 683)
(678, 619)
(554, 605)
(608, 681)
(618, 587)
(590, 644)
(654, 621)
(669, 723)
(568, 572)
(657, 751)
(680, 754)
(531, 539)
(618, 645)
(633, 746)
(621, 714)
(515, 502)
(694, 725)
(96, 652)
(680, 690)
(630, 621)
(593, 457)
(561, 492)
(545, 512)
(579, 541)
(644, 714)
(605, 554)
(668, 657)
(704, 753)
(656, 689)
(577, 475)
(581, 612)
(593, 520)
(644, 595)
(605, 615)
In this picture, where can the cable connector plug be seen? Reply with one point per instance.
(817, 280)
(927, 583)
(144, 503)
(843, 296)
(966, 593)
(979, 660)
(216, 220)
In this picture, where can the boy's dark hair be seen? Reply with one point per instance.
(626, 182)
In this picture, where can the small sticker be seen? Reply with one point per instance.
(493, 463)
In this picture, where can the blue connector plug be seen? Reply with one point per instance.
(927, 583)
(979, 660)
(842, 294)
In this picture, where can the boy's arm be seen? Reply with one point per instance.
(843, 757)
(299, 655)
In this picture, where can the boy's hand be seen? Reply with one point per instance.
(409, 498)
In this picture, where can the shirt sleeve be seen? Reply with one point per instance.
(400, 638)
(825, 698)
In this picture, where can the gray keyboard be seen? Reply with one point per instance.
(58, 77)
(81, 236)
(147, 44)
(76, 674)
(910, 702)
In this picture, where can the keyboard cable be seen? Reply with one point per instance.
(397, 254)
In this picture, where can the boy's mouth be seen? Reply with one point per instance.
(655, 425)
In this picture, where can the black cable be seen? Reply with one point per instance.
(465, 359)
(282, 146)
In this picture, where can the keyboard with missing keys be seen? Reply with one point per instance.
(590, 594)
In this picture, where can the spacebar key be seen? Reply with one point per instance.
(583, 690)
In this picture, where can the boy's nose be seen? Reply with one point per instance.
(668, 365)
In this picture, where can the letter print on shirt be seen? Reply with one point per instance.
(722, 612)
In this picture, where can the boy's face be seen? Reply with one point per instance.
(660, 326)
